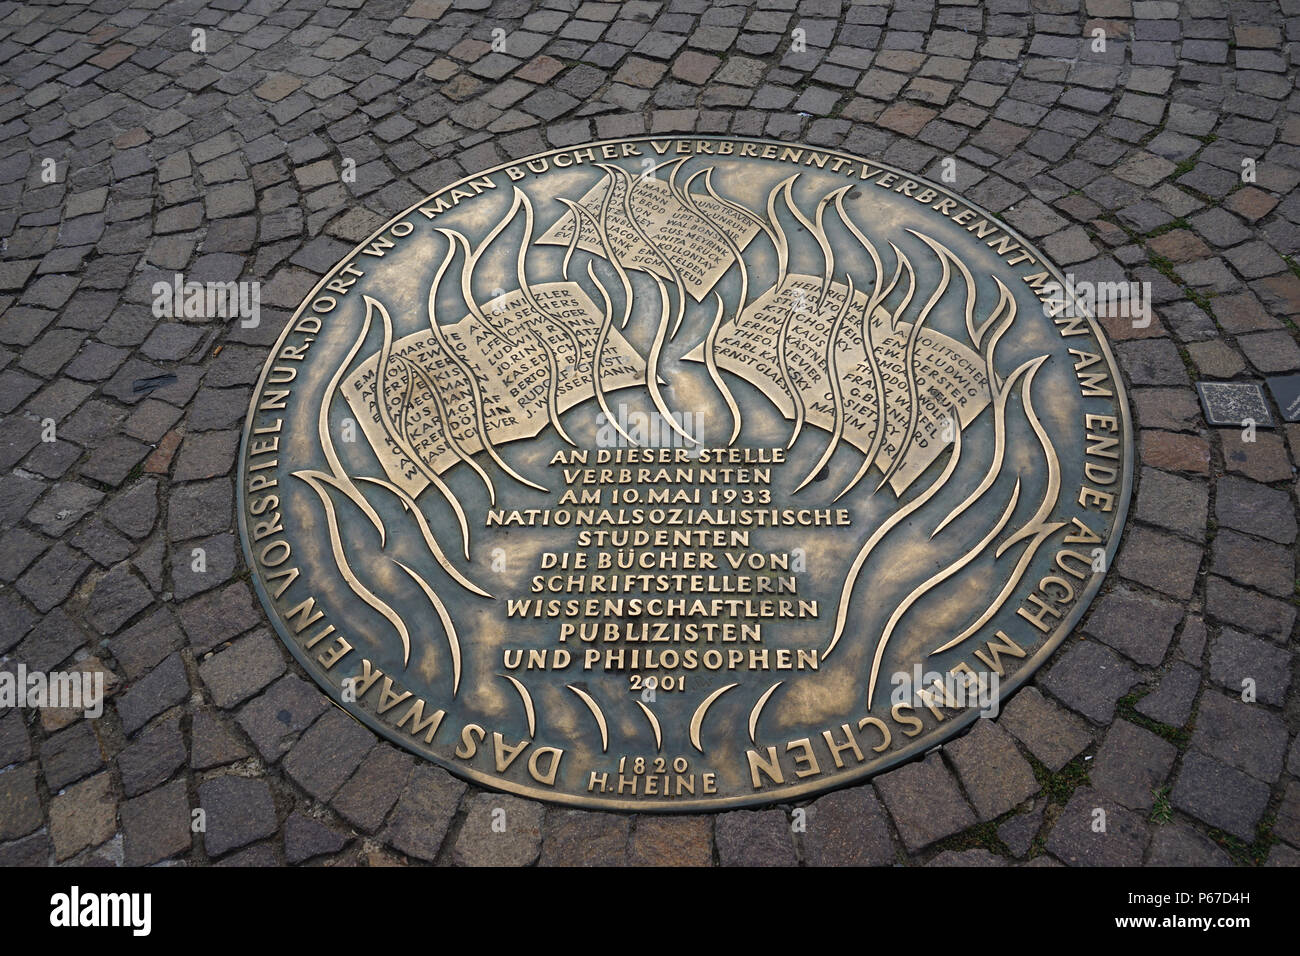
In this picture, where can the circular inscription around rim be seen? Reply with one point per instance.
(573, 477)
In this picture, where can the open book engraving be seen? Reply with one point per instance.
(432, 404)
(661, 226)
(946, 373)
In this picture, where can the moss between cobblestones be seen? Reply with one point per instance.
(1202, 299)
(1248, 854)
(1127, 708)
(982, 836)
(1059, 786)
(1038, 846)
(1179, 223)
(1295, 270)
(1161, 810)
(1166, 268)
(1188, 164)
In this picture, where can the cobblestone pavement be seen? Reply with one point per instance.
(225, 164)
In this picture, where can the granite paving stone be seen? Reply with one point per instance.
(1247, 609)
(1241, 734)
(163, 687)
(755, 838)
(1134, 624)
(921, 820)
(847, 828)
(84, 815)
(1131, 764)
(1177, 844)
(237, 811)
(20, 801)
(243, 669)
(1095, 830)
(71, 754)
(1219, 795)
(584, 838)
(993, 773)
(153, 758)
(1090, 679)
(306, 838)
(1243, 664)
(499, 830)
(424, 812)
(1171, 701)
(671, 841)
(274, 720)
(1053, 735)
(327, 753)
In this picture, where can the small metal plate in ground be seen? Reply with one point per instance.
(683, 473)
(1234, 403)
(1286, 392)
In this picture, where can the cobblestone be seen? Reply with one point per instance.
(499, 831)
(274, 720)
(848, 828)
(84, 815)
(584, 838)
(754, 838)
(70, 755)
(672, 841)
(237, 810)
(1255, 509)
(994, 775)
(1131, 764)
(1242, 735)
(212, 744)
(243, 669)
(305, 838)
(1054, 736)
(1090, 679)
(153, 758)
(1171, 702)
(924, 802)
(424, 812)
(20, 801)
(1239, 662)
(1112, 622)
(325, 756)
(163, 687)
(1176, 844)
(1219, 795)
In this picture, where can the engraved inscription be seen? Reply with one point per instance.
(681, 474)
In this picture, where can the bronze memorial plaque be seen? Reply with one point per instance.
(680, 474)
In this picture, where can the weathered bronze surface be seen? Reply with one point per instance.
(572, 480)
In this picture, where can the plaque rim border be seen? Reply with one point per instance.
(761, 798)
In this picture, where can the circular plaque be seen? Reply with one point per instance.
(679, 474)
